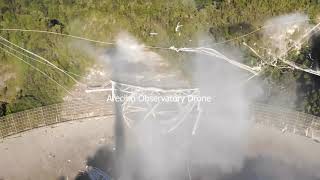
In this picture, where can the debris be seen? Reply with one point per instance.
(178, 27)
(153, 34)
(102, 140)
(51, 155)
(284, 129)
(81, 171)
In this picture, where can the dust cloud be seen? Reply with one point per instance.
(220, 148)
(144, 152)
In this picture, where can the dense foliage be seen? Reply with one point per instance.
(102, 20)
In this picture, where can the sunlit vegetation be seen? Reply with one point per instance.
(102, 20)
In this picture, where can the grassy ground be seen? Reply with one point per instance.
(102, 20)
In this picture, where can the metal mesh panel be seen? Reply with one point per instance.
(280, 118)
(52, 114)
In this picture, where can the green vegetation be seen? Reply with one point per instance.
(102, 20)
(305, 86)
